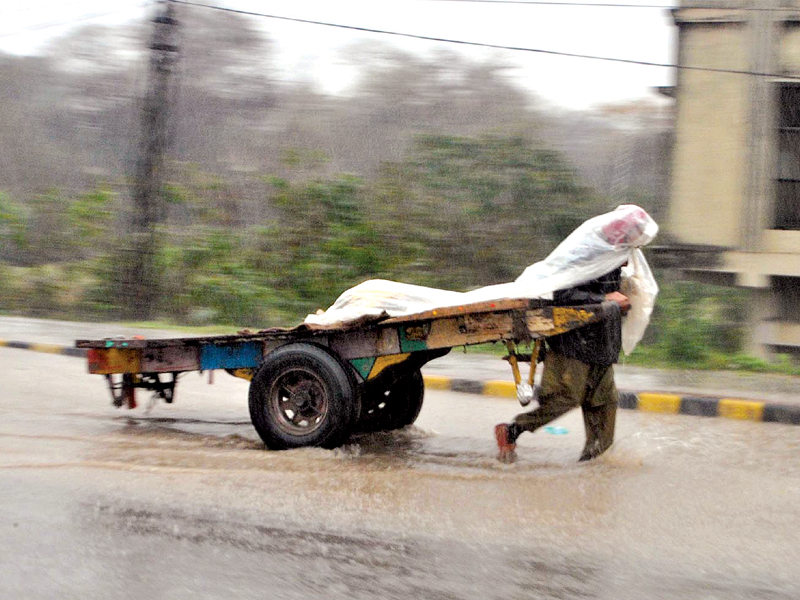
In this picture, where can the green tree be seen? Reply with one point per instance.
(323, 240)
(466, 212)
(12, 229)
(90, 217)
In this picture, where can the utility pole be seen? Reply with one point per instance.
(140, 284)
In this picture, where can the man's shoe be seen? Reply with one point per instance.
(506, 448)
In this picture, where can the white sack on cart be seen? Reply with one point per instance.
(597, 247)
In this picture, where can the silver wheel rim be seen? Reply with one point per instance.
(298, 401)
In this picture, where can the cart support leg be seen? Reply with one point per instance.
(525, 391)
(537, 346)
(123, 391)
(129, 389)
(512, 360)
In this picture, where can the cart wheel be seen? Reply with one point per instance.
(392, 403)
(302, 396)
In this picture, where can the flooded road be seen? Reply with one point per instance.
(183, 502)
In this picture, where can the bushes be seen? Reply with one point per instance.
(697, 326)
(12, 288)
(43, 290)
(12, 230)
(684, 324)
(466, 212)
(220, 298)
(455, 213)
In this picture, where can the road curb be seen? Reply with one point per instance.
(48, 348)
(698, 406)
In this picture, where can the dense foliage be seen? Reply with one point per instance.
(455, 213)
(265, 219)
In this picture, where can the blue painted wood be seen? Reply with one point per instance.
(230, 356)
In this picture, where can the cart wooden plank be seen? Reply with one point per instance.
(516, 320)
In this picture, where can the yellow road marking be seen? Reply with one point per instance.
(48, 348)
(663, 403)
(746, 410)
(437, 382)
(504, 389)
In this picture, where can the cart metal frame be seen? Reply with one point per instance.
(379, 356)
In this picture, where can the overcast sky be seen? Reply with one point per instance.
(645, 34)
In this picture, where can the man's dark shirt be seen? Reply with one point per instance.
(598, 343)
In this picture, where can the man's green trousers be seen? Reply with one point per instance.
(568, 383)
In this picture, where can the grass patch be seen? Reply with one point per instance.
(653, 357)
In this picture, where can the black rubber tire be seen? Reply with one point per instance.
(302, 395)
(392, 403)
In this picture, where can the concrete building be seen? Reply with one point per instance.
(735, 190)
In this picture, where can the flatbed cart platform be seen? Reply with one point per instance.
(315, 386)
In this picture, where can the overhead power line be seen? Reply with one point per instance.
(89, 17)
(556, 3)
(628, 61)
(619, 5)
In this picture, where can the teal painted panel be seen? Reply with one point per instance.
(363, 365)
(230, 356)
(414, 344)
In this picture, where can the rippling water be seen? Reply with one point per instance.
(184, 502)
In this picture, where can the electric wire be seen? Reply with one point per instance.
(555, 3)
(628, 61)
(506, 2)
(618, 5)
(456, 41)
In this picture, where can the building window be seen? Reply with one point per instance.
(787, 186)
(787, 293)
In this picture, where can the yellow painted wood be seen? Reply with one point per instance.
(745, 410)
(502, 389)
(445, 333)
(663, 403)
(437, 382)
(247, 374)
(468, 329)
(386, 361)
(488, 327)
(114, 360)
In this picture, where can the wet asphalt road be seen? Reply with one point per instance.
(183, 502)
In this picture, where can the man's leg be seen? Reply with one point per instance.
(563, 385)
(599, 413)
(563, 388)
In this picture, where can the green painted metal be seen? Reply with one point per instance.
(413, 338)
(363, 365)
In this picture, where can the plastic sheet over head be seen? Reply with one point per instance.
(597, 247)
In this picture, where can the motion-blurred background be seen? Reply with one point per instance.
(210, 164)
